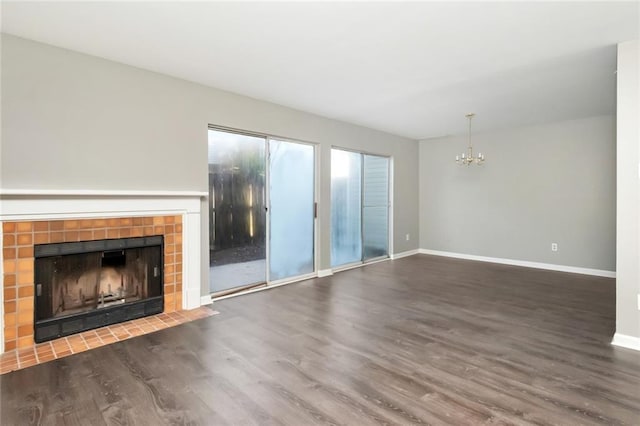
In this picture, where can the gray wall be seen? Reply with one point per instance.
(540, 184)
(628, 243)
(72, 121)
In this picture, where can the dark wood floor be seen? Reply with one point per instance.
(417, 340)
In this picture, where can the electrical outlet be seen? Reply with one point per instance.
(554, 246)
(408, 237)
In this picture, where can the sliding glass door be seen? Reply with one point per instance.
(237, 214)
(359, 207)
(346, 207)
(292, 211)
(261, 210)
(375, 207)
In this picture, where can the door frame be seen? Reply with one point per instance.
(316, 191)
(362, 261)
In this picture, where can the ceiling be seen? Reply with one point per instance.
(411, 69)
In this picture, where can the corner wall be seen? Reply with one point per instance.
(539, 185)
(628, 212)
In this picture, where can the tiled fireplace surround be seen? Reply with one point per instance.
(18, 262)
(27, 221)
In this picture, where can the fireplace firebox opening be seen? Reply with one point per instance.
(90, 284)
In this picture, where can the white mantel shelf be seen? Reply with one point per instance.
(96, 193)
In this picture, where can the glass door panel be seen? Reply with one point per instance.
(346, 206)
(375, 208)
(291, 213)
(237, 165)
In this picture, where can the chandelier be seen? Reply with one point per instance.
(468, 158)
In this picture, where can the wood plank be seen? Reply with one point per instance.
(418, 340)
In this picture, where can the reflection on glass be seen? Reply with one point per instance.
(375, 211)
(346, 204)
(291, 191)
(237, 226)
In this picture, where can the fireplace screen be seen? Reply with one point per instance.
(94, 283)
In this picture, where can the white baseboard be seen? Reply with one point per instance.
(404, 254)
(624, 341)
(324, 273)
(525, 263)
(205, 300)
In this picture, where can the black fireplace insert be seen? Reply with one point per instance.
(89, 284)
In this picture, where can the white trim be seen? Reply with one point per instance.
(191, 259)
(321, 273)
(317, 164)
(98, 193)
(404, 254)
(324, 273)
(390, 210)
(264, 287)
(525, 263)
(41, 208)
(206, 300)
(266, 206)
(360, 264)
(377, 260)
(347, 266)
(1, 294)
(624, 341)
(293, 280)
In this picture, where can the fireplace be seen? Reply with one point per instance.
(88, 284)
(28, 221)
